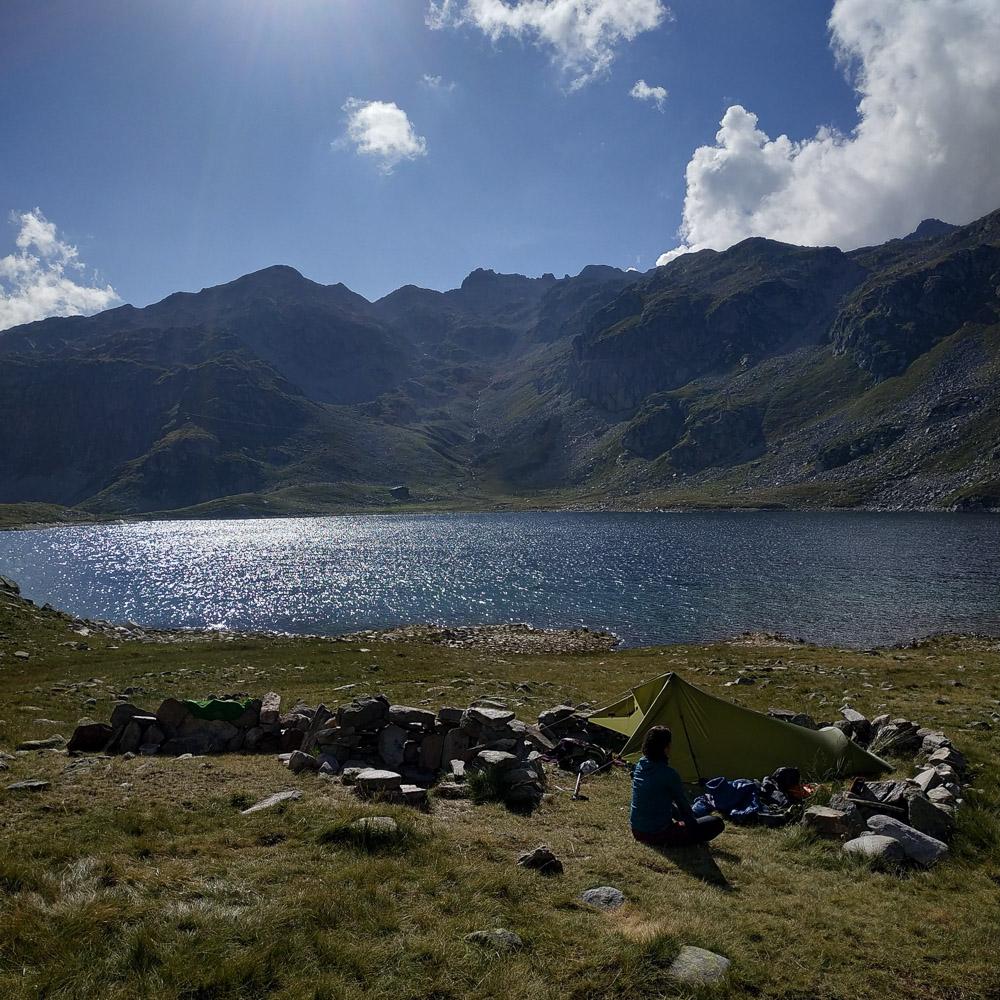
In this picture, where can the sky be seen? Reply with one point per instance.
(151, 147)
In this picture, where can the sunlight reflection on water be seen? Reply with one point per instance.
(848, 578)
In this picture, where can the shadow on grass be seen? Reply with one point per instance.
(698, 862)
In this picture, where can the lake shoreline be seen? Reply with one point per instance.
(9, 520)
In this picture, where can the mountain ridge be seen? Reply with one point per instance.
(765, 374)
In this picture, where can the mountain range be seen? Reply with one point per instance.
(763, 375)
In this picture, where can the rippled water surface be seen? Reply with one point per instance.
(855, 579)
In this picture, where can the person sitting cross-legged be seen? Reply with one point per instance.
(661, 814)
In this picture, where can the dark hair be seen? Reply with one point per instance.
(656, 742)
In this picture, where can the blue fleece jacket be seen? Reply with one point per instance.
(657, 795)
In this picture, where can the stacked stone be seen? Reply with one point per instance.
(908, 820)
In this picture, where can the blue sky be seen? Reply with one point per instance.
(180, 144)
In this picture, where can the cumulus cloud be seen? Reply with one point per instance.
(45, 276)
(642, 91)
(584, 35)
(383, 131)
(927, 78)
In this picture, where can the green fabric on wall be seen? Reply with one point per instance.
(714, 737)
(212, 709)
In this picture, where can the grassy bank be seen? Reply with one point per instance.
(139, 878)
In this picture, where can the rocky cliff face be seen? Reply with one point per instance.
(707, 313)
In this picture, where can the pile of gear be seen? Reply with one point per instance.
(772, 801)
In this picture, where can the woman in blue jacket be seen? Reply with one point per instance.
(661, 814)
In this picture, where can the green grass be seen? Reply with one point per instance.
(140, 878)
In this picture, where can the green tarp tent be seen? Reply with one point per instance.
(714, 737)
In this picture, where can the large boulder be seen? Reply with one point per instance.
(391, 742)
(202, 736)
(876, 847)
(91, 737)
(927, 817)
(368, 712)
(829, 822)
(172, 714)
(404, 715)
(917, 846)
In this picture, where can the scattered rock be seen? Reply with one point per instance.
(380, 825)
(541, 859)
(696, 966)
(300, 761)
(52, 743)
(451, 790)
(273, 800)
(373, 781)
(22, 654)
(31, 785)
(497, 939)
(604, 897)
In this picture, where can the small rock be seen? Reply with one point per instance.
(941, 796)
(875, 846)
(52, 743)
(697, 966)
(22, 654)
(32, 785)
(300, 761)
(413, 795)
(496, 939)
(491, 717)
(270, 708)
(542, 860)
(605, 897)
(383, 825)
(927, 780)
(494, 760)
(273, 800)
(451, 790)
(371, 781)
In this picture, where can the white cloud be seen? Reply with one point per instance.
(927, 76)
(642, 91)
(437, 83)
(38, 280)
(584, 35)
(382, 130)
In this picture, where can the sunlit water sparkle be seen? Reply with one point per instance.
(847, 578)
